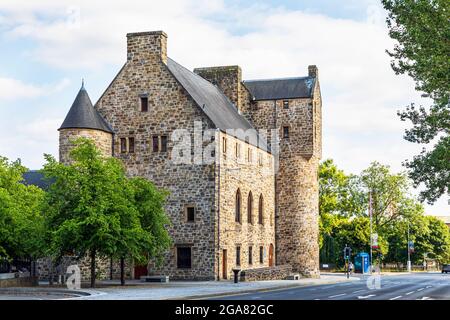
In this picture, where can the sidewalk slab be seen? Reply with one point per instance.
(178, 290)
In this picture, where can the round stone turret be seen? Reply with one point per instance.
(83, 120)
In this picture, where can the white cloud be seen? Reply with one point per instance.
(361, 94)
(13, 89)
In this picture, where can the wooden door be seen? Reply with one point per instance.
(271, 255)
(224, 265)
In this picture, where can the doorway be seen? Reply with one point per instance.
(271, 255)
(224, 264)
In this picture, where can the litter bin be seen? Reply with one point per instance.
(362, 263)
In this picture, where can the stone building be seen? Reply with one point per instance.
(239, 158)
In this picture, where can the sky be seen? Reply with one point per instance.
(48, 46)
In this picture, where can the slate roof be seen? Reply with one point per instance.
(274, 89)
(214, 103)
(36, 178)
(83, 115)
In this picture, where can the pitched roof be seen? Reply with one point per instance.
(214, 103)
(83, 115)
(274, 89)
(36, 178)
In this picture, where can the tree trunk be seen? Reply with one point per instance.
(93, 268)
(122, 271)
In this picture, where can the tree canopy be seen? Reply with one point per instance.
(422, 31)
(344, 218)
(94, 208)
(21, 219)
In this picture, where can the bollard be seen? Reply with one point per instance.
(236, 274)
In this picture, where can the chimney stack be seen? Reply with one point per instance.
(313, 71)
(147, 46)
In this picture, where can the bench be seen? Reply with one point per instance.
(155, 278)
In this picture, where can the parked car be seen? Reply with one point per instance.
(445, 268)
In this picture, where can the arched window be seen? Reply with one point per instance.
(260, 209)
(238, 206)
(250, 208)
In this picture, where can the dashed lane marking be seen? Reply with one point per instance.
(409, 293)
(398, 297)
(337, 295)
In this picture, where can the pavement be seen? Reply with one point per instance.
(330, 286)
(137, 290)
(391, 286)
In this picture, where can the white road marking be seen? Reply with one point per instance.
(420, 289)
(425, 298)
(395, 298)
(409, 293)
(337, 295)
(316, 299)
(366, 297)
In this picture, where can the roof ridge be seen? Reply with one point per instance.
(279, 79)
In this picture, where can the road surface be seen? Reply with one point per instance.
(415, 286)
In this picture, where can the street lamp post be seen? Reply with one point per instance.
(370, 218)
(409, 252)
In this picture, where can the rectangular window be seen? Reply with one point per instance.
(155, 143)
(163, 143)
(238, 150)
(144, 104)
(285, 132)
(249, 155)
(184, 257)
(260, 159)
(123, 145)
(190, 213)
(286, 104)
(261, 254)
(131, 145)
(250, 255)
(238, 256)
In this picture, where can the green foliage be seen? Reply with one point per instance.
(389, 191)
(339, 193)
(343, 222)
(21, 219)
(93, 207)
(422, 31)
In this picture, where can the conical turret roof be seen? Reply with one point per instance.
(83, 115)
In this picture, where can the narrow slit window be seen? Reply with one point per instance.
(144, 104)
(286, 104)
(123, 145)
(238, 256)
(155, 143)
(261, 254)
(163, 143)
(190, 213)
(250, 255)
(286, 132)
(131, 145)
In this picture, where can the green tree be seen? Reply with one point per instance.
(21, 219)
(389, 193)
(422, 31)
(338, 192)
(92, 208)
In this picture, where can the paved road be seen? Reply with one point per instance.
(416, 286)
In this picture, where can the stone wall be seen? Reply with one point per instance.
(228, 79)
(297, 189)
(280, 272)
(45, 267)
(237, 173)
(170, 108)
(103, 140)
